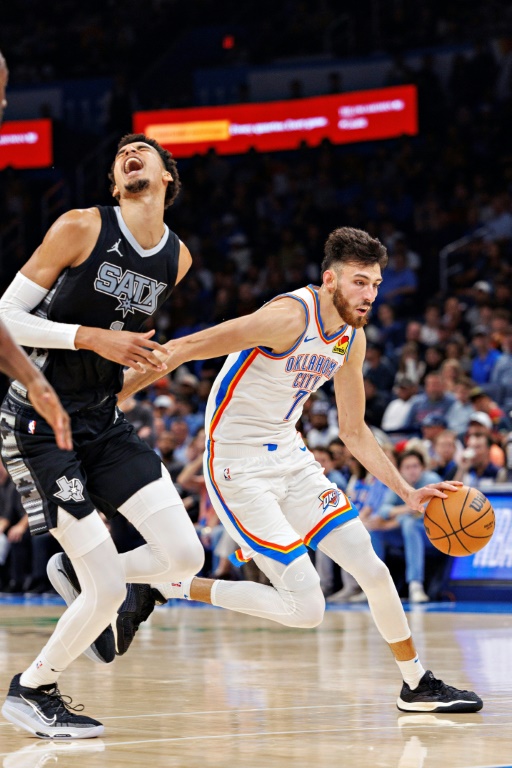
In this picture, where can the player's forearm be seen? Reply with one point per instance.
(13, 360)
(218, 341)
(364, 447)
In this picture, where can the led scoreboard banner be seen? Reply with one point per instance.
(491, 567)
(26, 144)
(279, 125)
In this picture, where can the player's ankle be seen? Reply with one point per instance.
(179, 590)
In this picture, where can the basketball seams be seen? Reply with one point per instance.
(449, 538)
(463, 506)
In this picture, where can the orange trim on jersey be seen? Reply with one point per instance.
(249, 537)
(230, 390)
(325, 520)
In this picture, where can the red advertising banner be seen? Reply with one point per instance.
(383, 113)
(26, 144)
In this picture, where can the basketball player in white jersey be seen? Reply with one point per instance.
(264, 483)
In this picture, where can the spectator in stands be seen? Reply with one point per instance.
(380, 368)
(400, 285)
(411, 363)
(320, 432)
(411, 465)
(140, 417)
(433, 400)
(501, 375)
(451, 372)
(485, 357)
(483, 403)
(15, 546)
(432, 426)
(324, 456)
(391, 331)
(444, 461)
(376, 400)
(397, 411)
(475, 466)
(340, 458)
(182, 439)
(430, 330)
(460, 412)
(164, 407)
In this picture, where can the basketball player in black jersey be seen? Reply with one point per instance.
(13, 360)
(80, 303)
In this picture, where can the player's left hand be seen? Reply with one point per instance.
(418, 498)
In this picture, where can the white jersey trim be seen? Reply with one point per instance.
(133, 242)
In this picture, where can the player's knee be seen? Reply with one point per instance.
(377, 576)
(112, 592)
(309, 608)
(188, 560)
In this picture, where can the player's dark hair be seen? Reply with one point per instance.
(410, 452)
(169, 163)
(348, 245)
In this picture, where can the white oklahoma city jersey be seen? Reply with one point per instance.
(258, 396)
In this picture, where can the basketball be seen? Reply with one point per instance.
(461, 524)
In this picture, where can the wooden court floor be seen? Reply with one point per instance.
(202, 687)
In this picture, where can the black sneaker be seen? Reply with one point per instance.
(44, 713)
(138, 605)
(432, 695)
(64, 579)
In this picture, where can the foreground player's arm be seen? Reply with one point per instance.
(15, 363)
(357, 436)
(276, 326)
(68, 243)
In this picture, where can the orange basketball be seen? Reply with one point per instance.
(461, 524)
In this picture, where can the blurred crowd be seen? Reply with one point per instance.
(100, 41)
(438, 368)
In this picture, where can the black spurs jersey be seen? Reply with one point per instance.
(119, 286)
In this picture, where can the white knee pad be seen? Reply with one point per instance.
(298, 586)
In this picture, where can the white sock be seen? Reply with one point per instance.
(176, 589)
(39, 672)
(412, 671)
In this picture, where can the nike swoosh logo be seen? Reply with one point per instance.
(303, 449)
(311, 338)
(43, 718)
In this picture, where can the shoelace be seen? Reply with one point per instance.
(62, 701)
(437, 685)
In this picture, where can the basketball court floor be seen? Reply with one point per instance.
(203, 687)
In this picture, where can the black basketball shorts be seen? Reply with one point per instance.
(108, 463)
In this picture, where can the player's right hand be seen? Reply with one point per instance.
(44, 399)
(134, 350)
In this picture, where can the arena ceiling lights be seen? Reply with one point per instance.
(26, 144)
(383, 113)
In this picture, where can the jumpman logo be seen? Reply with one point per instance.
(115, 249)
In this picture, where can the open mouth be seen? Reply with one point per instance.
(132, 165)
(362, 310)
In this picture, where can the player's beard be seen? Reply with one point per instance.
(347, 314)
(138, 185)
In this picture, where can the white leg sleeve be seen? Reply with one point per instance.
(173, 551)
(350, 546)
(101, 577)
(295, 599)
